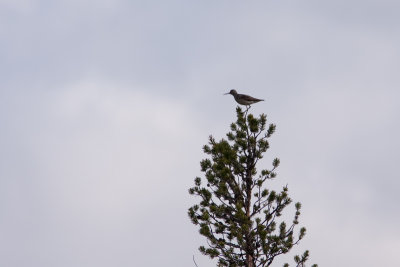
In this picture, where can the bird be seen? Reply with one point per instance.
(245, 100)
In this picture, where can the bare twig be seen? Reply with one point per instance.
(195, 262)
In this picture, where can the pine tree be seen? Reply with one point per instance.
(237, 214)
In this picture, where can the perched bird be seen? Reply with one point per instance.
(243, 99)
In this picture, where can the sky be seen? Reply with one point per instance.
(105, 106)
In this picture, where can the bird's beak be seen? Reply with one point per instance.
(227, 93)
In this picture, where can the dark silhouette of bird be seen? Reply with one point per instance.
(243, 99)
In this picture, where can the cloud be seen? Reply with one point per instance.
(104, 108)
(99, 157)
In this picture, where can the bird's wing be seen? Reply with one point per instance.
(250, 98)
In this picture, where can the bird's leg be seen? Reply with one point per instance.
(247, 109)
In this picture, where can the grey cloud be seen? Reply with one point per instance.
(104, 108)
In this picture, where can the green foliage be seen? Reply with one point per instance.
(237, 214)
(301, 260)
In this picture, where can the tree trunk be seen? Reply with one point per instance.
(249, 261)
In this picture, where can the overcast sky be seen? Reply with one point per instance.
(105, 105)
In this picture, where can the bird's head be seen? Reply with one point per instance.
(232, 92)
